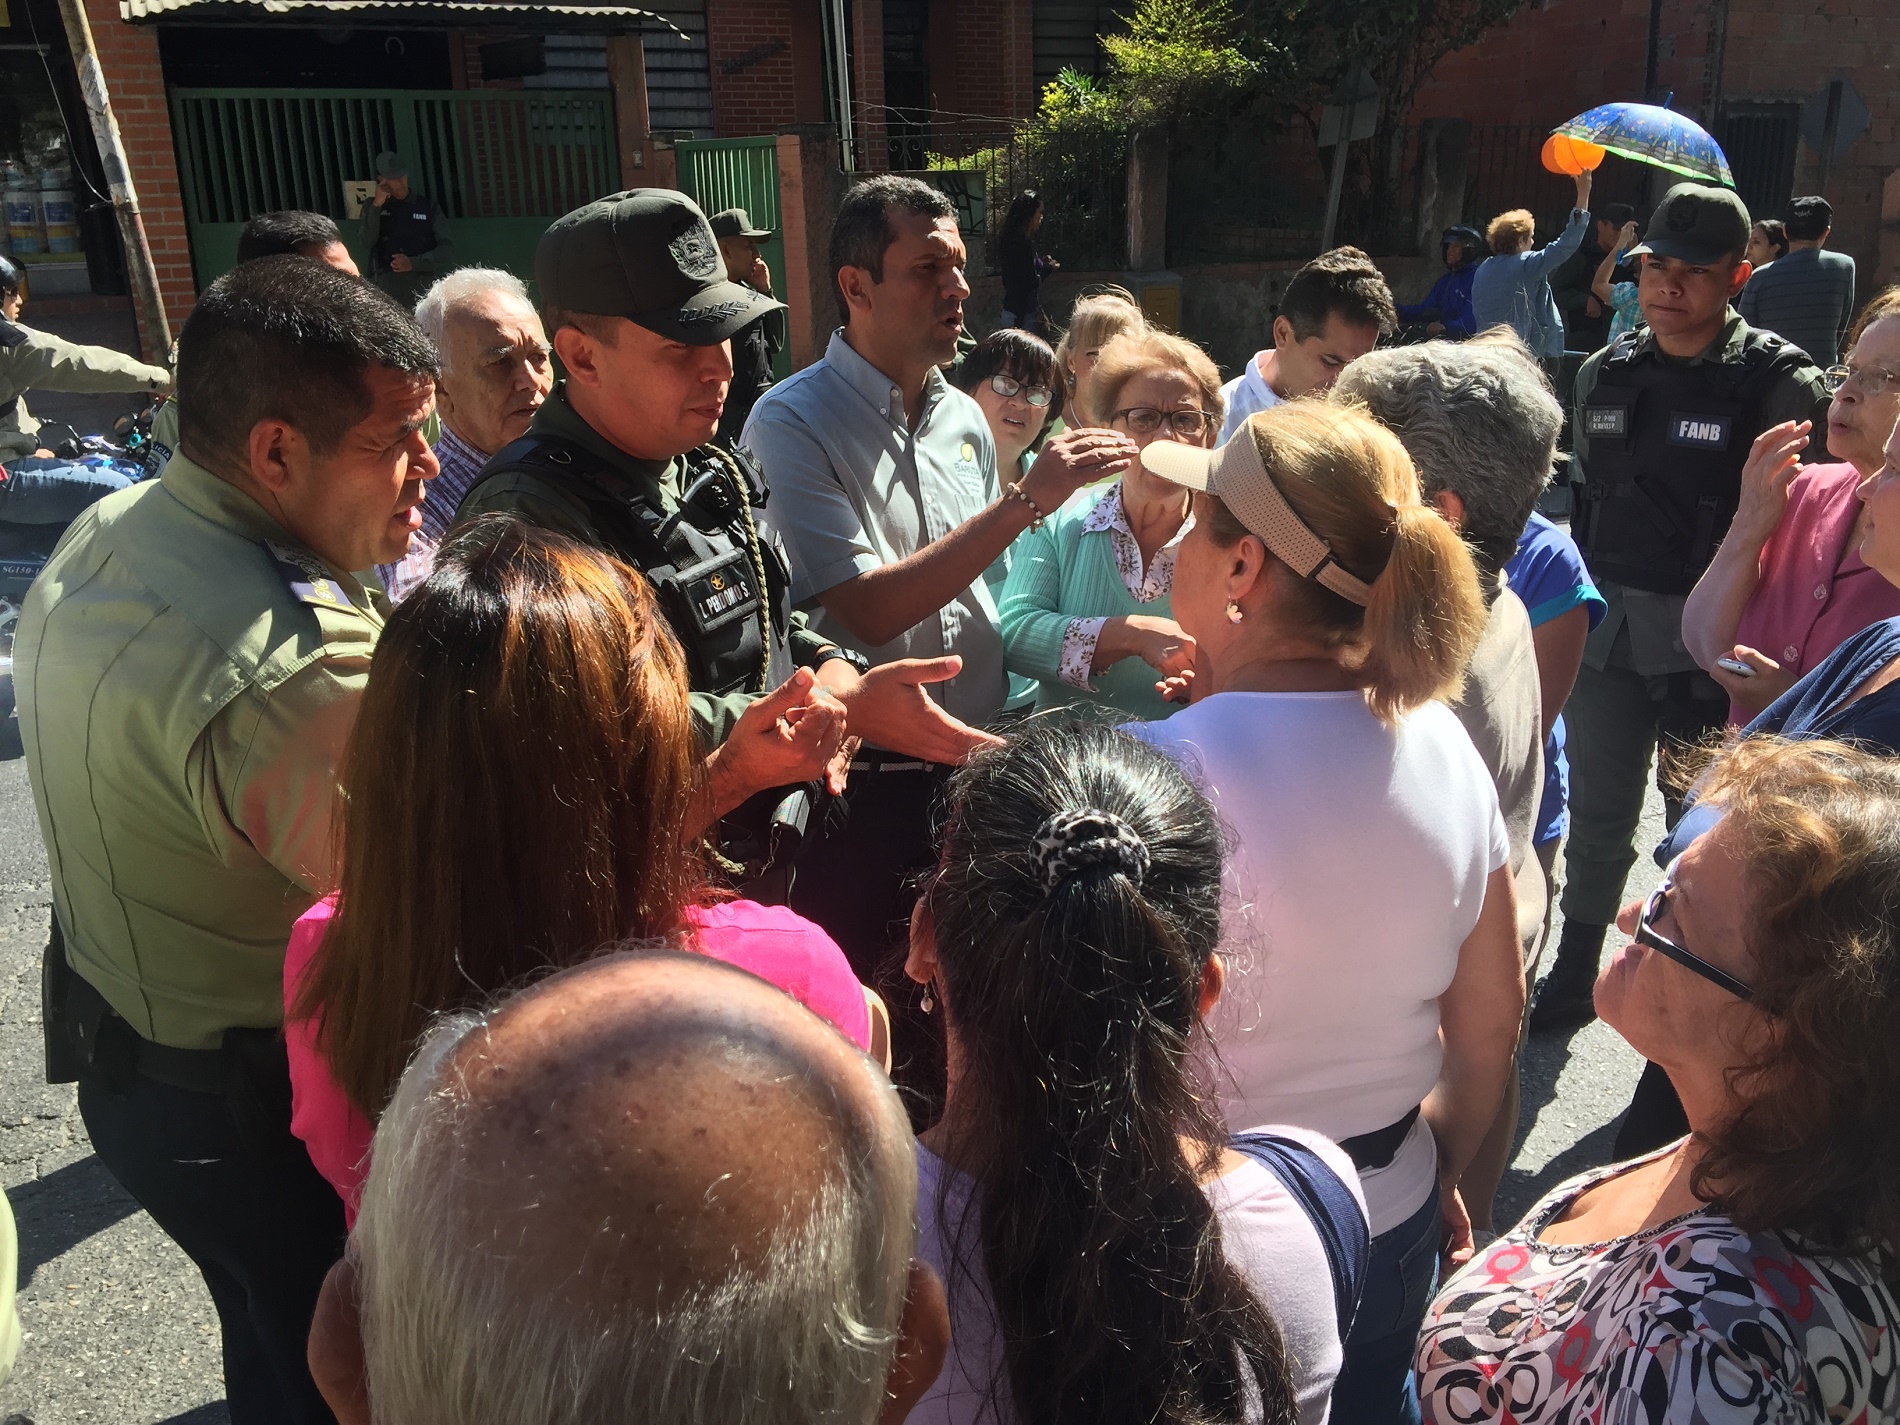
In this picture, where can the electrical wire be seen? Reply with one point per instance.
(72, 146)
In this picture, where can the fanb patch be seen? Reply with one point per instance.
(1700, 432)
(1606, 420)
(696, 252)
(309, 582)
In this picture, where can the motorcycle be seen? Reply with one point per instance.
(25, 548)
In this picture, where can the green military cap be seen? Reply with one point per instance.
(389, 164)
(1696, 224)
(650, 256)
(737, 223)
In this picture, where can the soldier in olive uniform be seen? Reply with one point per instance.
(1664, 420)
(401, 230)
(641, 312)
(189, 665)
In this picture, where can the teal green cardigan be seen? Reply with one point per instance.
(1058, 573)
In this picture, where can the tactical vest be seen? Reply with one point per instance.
(1663, 450)
(706, 562)
(406, 228)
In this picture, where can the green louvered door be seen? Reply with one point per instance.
(501, 164)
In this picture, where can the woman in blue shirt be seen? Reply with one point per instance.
(1513, 287)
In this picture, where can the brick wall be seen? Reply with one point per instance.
(1790, 49)
(761, 97)
(991, 64)
(128, 54)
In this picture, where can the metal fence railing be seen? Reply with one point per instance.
(1083, 183)
(488, 154)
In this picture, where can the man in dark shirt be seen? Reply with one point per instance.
(399, 229)
(1586, 320)
(1806, 297)
(756, 345)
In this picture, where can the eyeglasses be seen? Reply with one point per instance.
(1007, 386)
(1647, 935)
(1146, 420)
(1872, 380)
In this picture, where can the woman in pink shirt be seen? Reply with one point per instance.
(522, 788)
(1788, 584)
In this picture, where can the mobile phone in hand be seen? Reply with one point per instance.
(1736, 666)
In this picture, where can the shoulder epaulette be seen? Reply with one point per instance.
(306, 578)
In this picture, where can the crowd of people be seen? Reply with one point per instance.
(1009, 888)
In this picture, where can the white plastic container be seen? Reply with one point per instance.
(25, 226)
(60, 215)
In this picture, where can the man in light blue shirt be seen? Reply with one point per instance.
(886, 497)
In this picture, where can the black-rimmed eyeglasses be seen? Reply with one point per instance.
(1008, 386)
(1648, 936)
(1146, 420)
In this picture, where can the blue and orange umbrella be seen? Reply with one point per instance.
(1645, 133)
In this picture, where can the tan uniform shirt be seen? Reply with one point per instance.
(187, 677)
(30, 359)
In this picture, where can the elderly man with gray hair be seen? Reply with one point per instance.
(1481, 424)
(649, 1189)
(496, 373)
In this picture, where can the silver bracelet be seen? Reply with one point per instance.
(1015, 491)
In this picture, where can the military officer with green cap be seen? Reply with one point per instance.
(641, 312)
(755, 346)
(189, 664)
(1663, 424)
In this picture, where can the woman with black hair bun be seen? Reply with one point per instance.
(1109, 1258)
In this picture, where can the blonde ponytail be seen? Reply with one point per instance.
(1425, 617)
(1354, 485)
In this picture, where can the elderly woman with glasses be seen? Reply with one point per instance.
(1791, 580)
(1011, 374)
(1745, 1272)
(1085, 613)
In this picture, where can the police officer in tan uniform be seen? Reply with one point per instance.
(189, 666)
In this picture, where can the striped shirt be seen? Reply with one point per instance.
(461, 463)
(1807, 298)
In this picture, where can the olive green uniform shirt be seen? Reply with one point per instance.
(46, 362)
(546, 503)
(1650, 624)
(187, 677)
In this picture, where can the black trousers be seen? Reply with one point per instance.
(858, 879)
(226, 1180)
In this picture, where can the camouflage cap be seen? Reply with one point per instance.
(1697, 224)
(647, 255)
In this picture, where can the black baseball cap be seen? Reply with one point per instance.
(736, 222)
(1698, 224)
(647, 255)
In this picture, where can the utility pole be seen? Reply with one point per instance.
(125, 204)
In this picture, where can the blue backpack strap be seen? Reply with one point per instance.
(1329, 1203)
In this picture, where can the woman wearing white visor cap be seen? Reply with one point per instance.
(1374, 981)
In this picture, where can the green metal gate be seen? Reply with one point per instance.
(741, 173)
(501, 164)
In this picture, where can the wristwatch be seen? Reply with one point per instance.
(850, 655)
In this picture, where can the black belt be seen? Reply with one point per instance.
(879, 759)
(1376, 1149)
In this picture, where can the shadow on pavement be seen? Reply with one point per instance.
(1522, 1190)
(10, 747)
(59, 1211)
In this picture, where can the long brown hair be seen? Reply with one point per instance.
(513, 792)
